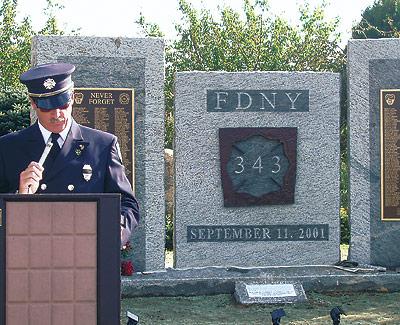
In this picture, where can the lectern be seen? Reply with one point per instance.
(60, 259)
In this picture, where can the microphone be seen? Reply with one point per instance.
(46, 152)
(43, 157)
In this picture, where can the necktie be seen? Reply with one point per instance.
(55, 149)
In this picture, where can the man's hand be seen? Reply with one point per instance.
(125, 235)
(29, 179)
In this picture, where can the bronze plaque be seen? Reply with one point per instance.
(390, 154)
(110, 110)
(258, 165)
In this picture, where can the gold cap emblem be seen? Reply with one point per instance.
(49, 83)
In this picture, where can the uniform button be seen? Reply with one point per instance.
(71, 187)
(43, 187)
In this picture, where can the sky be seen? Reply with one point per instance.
(115, 18)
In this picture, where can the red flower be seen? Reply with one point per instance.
(127, 268)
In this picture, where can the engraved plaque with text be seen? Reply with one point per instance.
(390, 154)
(270, 290)
(265, 292)
(110, 110)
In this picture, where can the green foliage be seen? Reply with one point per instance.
(380, 20)
(253, 40)
(169, 231)
(344, 159)
(15, 41)
(152, 30)
(249, 41)
(15, 53)
(14, 45)
(344, 226)
(51, 25)
(14, 111)
(344, 167)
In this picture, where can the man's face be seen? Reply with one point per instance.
(54, 120)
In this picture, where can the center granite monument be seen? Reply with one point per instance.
(256, 169)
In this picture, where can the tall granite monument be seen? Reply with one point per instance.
(256, 169)
(374, 105)
(119, 69)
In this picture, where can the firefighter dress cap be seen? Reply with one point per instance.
(49, 85)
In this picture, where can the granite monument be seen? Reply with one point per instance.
(105, 65)
(256, 169)
(374, 106)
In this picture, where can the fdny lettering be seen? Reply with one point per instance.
(257, 100)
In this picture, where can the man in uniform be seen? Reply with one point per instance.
(57, 155)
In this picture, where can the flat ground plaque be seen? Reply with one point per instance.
(260, 292)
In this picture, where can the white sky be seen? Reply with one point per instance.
(116, 17)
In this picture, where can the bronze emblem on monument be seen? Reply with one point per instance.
(390, 98)
(78, 98)
(124, 99)
(258, 165)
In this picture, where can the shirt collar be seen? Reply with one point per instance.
(63, 134)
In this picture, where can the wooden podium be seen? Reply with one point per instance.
(60, 259)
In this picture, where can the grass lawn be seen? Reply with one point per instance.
(361, 308)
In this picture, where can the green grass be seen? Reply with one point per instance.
(361, 308)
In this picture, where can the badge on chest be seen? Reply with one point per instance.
(87, 172)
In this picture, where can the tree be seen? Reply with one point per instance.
(380, 20)
(15, 41)
(14, 45)
(253, 40)
(14, 111)
(15, 52)
(259, 41)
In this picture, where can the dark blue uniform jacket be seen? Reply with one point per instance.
(83, 146)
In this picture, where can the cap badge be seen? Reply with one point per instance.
(49, 83)
(87, 172)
